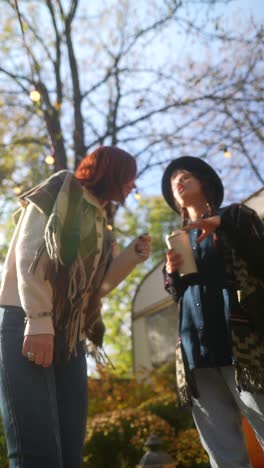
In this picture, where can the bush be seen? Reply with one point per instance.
(3, 449)
(119, 393)
(188, 450)
(117, 439)
(165, 406)
(116, 393)
(128, 411)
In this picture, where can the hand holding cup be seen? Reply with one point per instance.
(179, 242)
(174, 261)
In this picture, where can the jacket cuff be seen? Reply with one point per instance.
(39, 326)
(120, 267)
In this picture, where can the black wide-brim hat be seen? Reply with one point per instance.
(199, 168)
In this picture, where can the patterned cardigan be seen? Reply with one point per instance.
(241, 239)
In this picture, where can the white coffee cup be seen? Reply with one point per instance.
(180, 242)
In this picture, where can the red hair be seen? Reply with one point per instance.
(106, 170)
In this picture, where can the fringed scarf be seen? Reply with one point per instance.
(70, 274)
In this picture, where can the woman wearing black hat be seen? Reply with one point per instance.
(220, 345)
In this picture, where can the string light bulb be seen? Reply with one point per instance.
(109, 227)
(227, 153)
(35, 95)
(137, 195)
(50, 160)
(17, 189)
(57, 105)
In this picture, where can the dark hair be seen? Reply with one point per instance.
(106, 170)
(208, 191)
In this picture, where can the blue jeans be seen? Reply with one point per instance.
(44, 411)
(217, 415)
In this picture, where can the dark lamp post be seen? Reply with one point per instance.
(156, 458)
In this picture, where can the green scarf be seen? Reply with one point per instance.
(71, 257)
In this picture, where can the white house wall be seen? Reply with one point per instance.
(150, 292)
(256, 202)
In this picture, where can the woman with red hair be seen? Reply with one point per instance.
(59, 264)
(109, 172)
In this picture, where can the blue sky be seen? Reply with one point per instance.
(256, 7)
(236, 13)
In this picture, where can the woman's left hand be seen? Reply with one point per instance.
(142, 247)
(39, 349)
(207, 226)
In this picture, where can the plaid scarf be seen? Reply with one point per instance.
(247, 331)
(70, 273)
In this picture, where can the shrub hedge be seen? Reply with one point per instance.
(118, 437)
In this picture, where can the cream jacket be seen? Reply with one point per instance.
(31, 291)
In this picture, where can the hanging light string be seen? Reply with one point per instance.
(227, 152)
(137, 195)
(35, 94)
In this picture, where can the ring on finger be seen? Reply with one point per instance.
(30, 356)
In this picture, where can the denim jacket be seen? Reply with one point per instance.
(206, 331)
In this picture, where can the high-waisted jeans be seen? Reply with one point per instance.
(44, 410)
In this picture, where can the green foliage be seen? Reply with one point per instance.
(6, 230)
(165, 406)
(21, 167)
(119, 393)
(117, 318)
(3, 449)
(128, 410)
(153, 216)
(16, 173)
(121, 435)
(160, 220)
(189, 452)
(153, 391)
